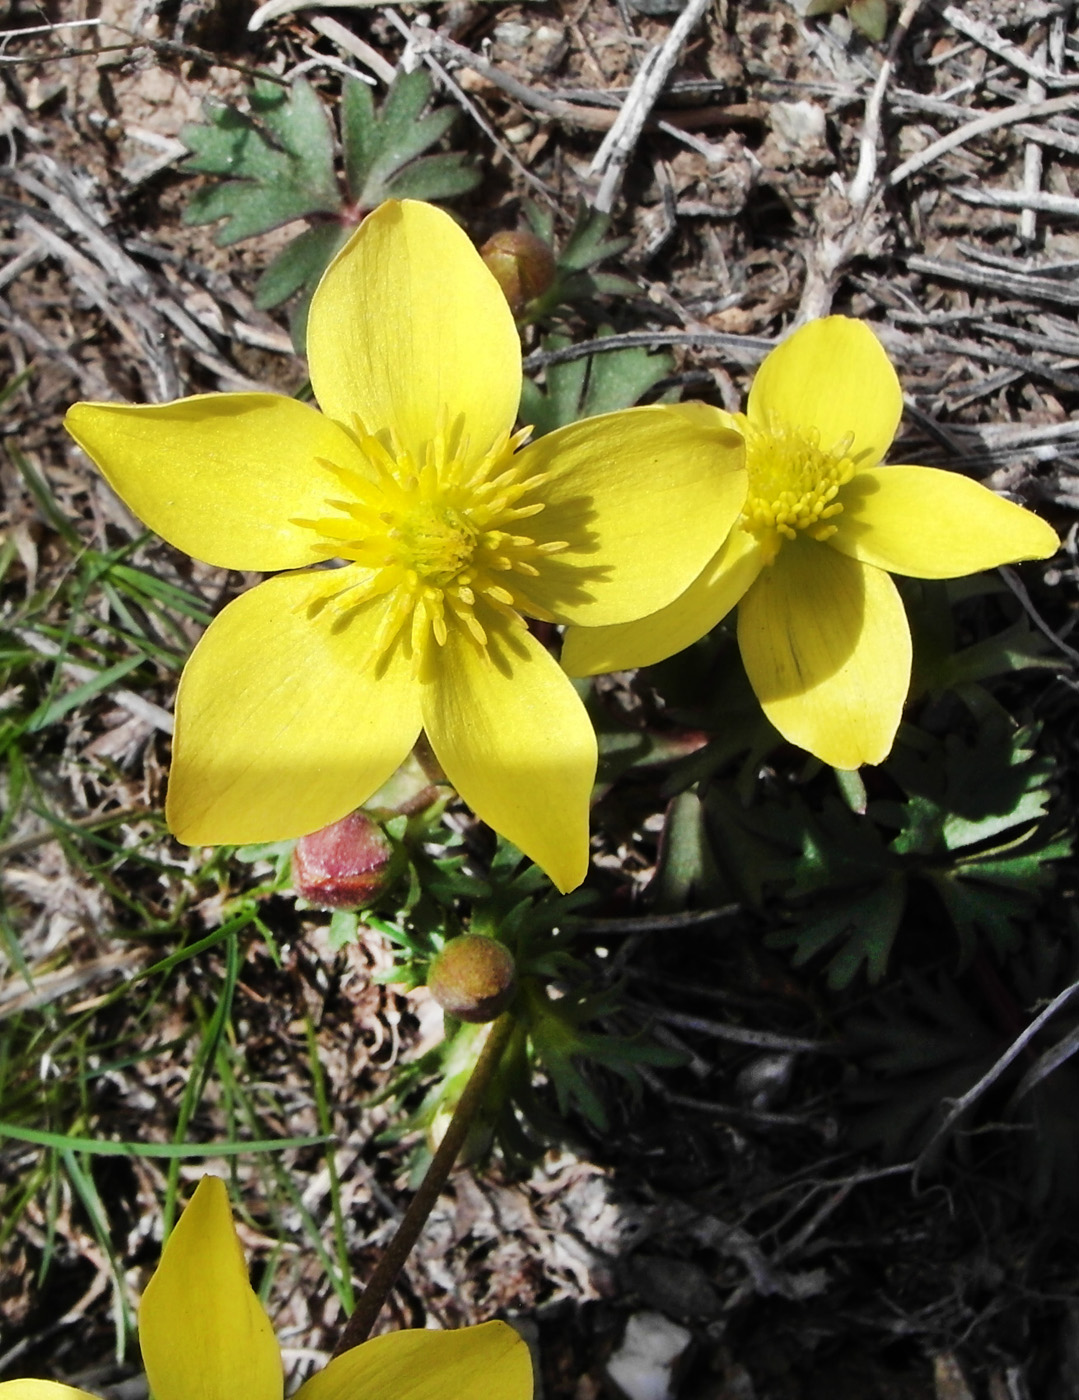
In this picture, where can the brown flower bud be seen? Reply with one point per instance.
(345, 865)
(523, 265)
(473, 978)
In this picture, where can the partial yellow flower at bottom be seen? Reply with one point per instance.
(821, 627)
(205, 1336)
(307, 692)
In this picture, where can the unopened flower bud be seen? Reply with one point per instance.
(523, 265)
(473, 978)
(345, 865)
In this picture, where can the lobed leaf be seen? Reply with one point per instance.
(277, 162)
(588, 243)
(382, 147)
(865, 926)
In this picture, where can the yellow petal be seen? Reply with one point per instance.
(826, 647)
(224, 477)
(588, 651)
(203, 1333)
(409, 330)
(516, 743)
(643, 498)
(935, 524)
(832, 376)
(283, 724)
(489, 1362)
(41, 1390)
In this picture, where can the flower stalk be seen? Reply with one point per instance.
(358, 1327)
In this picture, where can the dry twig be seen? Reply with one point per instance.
(417, 37)
(975, 1092)
(988, 121)
(985, 35)
(610, 161)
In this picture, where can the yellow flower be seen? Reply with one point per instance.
(307, 692)
(821, 626)
(205, 1336)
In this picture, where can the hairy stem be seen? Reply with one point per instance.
(358, 1327)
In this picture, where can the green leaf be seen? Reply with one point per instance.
(433, 177)
(851, 786)
(918, 1026)
(359, 134)
(540, 221)
(683, 855)
(607, 284)
(959, 831)
(301, 125)
(298, 318)
(1017, 648)
(1028, 869)
(866, 927)
(588, 243)
(230, 144)
(597, 384)
(754, 847)
(57, 708)
(965, 792)
(560, 403)
(993, 910)
(175, 1151)
(621, 378)
(869, 17)
(382, 147)
(277, 161)
(250, 209)
(344, 928)
(840, 847)
(402, 141)
(928, 1047)
(409, 94)
(300, 264)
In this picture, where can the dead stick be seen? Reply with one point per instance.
(614, 153)
(358, 1328)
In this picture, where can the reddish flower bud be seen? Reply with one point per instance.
(473, 978)
(523, 265)
(345, 865)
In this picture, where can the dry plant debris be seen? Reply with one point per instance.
(767, 168)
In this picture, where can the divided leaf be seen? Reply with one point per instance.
(587, 245)
(865, 926)
(976, 827)
(382, 146)
(277, 161)
(923, 1047)
(276, 165)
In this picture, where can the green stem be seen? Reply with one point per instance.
(358, 1328)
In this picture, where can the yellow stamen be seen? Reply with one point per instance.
(434, 535)
(794, 483)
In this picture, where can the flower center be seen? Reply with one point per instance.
(794, 483)
(440, 541)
